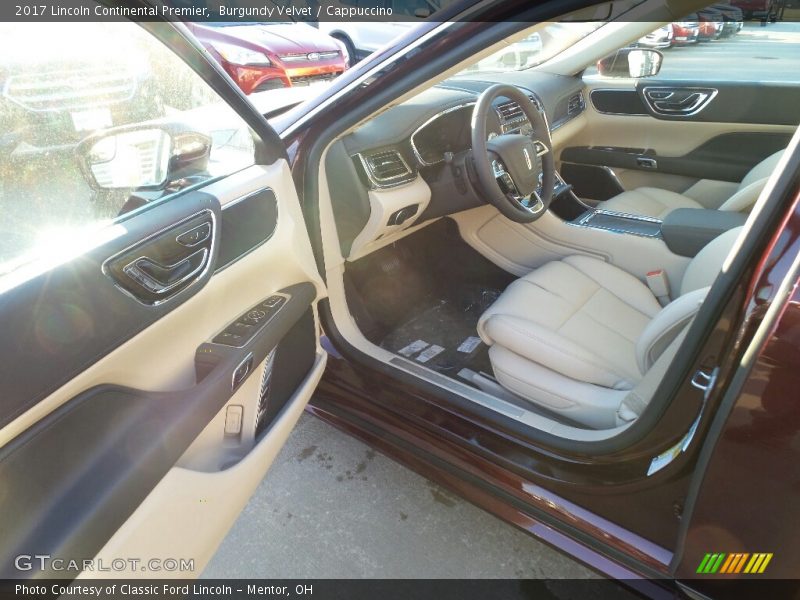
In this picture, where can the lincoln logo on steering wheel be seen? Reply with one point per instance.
(527, 158)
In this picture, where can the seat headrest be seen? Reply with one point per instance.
(704, 268)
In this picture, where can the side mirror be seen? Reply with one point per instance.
(422, 13)
(142, 157)
(631, 62)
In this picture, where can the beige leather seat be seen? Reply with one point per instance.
(658, 203)
(581, 337)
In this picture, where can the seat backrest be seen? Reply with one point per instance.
(704, 268)
(745, 197)
(762, 170)
(671, 320)
(752, 185)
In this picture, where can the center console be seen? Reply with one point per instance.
(685, 231)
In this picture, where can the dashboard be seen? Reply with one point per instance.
(447, 132)
(420, 147)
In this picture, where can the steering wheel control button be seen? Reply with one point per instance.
(194, 236)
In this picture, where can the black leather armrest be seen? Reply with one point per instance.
(687, 230)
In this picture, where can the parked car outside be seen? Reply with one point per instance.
(270, 55)
(661, 38)
(67, 88)
(362, 38)
(733, 18)
(712, 24)
(686, 32)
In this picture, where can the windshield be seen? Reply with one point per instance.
(536, 48)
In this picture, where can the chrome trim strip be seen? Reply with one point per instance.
(199, 277)
(706, 95)
(585, 221)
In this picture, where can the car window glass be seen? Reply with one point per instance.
(535, 48)
(66, 84)
(740, 41)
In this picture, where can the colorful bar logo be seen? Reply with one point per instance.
(729, 564)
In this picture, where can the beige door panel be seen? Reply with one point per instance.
(161, 357)
(190, 510)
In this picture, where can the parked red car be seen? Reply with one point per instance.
(269, 55)
(685, 32)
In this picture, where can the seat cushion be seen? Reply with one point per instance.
(651, 202)
(578, 316)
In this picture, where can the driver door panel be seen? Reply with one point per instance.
(136, 426)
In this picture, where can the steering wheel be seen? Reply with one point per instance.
(509, 166)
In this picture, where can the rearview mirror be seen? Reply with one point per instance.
(142, 157)
(631, 62)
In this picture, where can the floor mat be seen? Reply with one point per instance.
(443, 336)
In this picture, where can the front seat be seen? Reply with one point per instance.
(658, 203)
(588, 341)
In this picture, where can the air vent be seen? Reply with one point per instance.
(386, 169)
(511, 115)
(575, 105)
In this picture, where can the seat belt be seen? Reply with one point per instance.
(659, 285)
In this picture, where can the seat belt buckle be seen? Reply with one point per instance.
(659, 285)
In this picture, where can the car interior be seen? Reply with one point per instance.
(538, 241)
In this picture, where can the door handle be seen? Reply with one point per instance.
(646, 162)
(159, 279)
(678, 101)
(688, 104)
